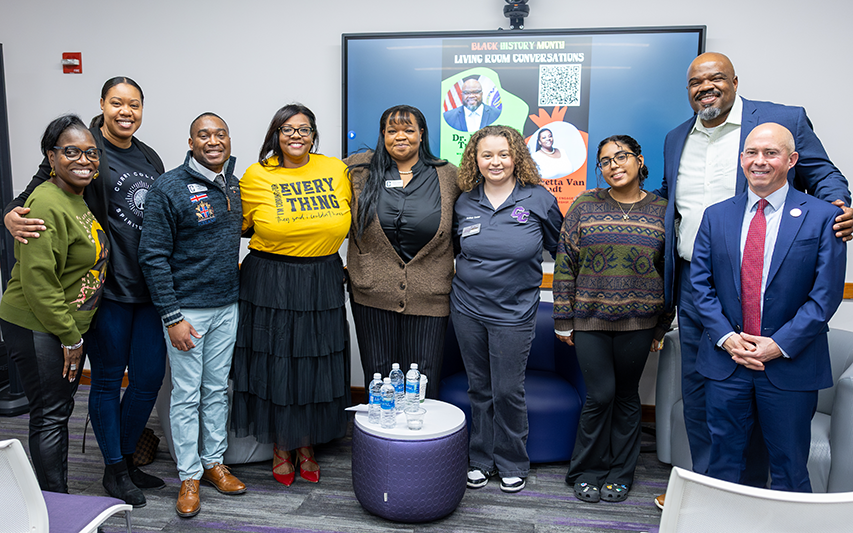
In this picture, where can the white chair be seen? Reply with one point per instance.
(831, 452)
(698, 504)
(24, 508)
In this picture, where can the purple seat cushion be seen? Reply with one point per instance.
(553, 411)
(409, 480)
(72, 512)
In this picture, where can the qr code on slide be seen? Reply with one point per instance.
(559, 85)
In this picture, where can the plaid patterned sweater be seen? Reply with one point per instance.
(608, 274)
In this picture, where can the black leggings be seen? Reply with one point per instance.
(40, 359)
(608, 441)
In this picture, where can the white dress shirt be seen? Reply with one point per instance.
(473, 119)
(204, 171)
(707, 173)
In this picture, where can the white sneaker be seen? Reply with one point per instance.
(512, 484)
(477, 478)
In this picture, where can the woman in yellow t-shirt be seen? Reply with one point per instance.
(291, 364)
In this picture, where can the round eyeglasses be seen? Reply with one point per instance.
(72, 153)
(620, 158)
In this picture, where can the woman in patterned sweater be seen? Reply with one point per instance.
(609, 304)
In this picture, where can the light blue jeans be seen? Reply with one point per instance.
(200, 389)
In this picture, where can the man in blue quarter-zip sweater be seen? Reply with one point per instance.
(189, 254)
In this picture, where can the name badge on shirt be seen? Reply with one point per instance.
(471, 230)
(393, 184)
(195, 187)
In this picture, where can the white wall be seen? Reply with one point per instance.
(245, 59)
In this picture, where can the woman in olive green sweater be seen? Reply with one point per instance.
(53, 294)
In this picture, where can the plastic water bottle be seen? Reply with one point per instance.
(389, 414)
(374, 409)
(399, 382)
(413, 388)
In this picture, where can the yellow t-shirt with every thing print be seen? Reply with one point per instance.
(302, 212)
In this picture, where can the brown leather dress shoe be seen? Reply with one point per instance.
(659, 501)
(223, 480)
(188, 502)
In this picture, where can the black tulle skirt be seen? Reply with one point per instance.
(291, 368)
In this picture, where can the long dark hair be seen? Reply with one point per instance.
(633, 147)
(272, 147)
(98, 120)
(56, 128)
(538, 135)
(381, 161)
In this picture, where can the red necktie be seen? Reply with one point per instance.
(751, 268)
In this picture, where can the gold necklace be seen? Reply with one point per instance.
(619, 205)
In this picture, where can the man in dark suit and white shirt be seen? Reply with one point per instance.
(767, 275)
(473, 114)
(700, 169)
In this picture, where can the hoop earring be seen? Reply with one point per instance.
(52, 173)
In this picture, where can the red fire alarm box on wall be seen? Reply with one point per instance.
(72, 62)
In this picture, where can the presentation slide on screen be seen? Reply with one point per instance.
(563, 91)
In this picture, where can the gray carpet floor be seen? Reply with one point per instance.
(545, 506)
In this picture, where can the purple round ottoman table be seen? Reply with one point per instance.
(411, 476)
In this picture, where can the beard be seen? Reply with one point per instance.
(709, 113)
(473, 107)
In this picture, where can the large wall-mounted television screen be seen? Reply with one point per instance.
(562, 89)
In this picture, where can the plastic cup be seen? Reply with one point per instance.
(415, 419)
(424, 382)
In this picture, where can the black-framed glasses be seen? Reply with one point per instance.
(621, 158)
(471, 93)
(303, 131)
(72, 153)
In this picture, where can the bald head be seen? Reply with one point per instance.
(768, 154)
(472, 94)
(712, 87)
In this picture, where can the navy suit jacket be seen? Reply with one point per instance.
(814, 172)
(456, 117)
(804, 287)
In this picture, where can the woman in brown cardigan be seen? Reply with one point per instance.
(400, 252)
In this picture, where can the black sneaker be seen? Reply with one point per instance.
(512, 484)
(477, 478)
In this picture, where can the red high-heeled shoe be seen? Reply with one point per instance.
(277, 461)
(308, 475)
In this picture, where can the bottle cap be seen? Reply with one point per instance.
(395, 366)
(377, 376)
(387, 380)
(414, 365)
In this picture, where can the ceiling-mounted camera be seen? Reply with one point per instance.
(515, 11)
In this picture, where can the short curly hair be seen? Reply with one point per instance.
(526, 171)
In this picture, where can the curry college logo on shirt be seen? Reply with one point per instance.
(133, 187)
(520, 214)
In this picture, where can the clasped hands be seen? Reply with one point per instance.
(751, 351)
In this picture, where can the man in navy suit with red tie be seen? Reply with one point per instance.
(700, 169)
(767, 275)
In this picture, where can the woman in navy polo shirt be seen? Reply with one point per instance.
(504, 219)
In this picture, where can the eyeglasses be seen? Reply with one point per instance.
(72, 153)
(620, 158)
(470, 93)
(304, 131)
